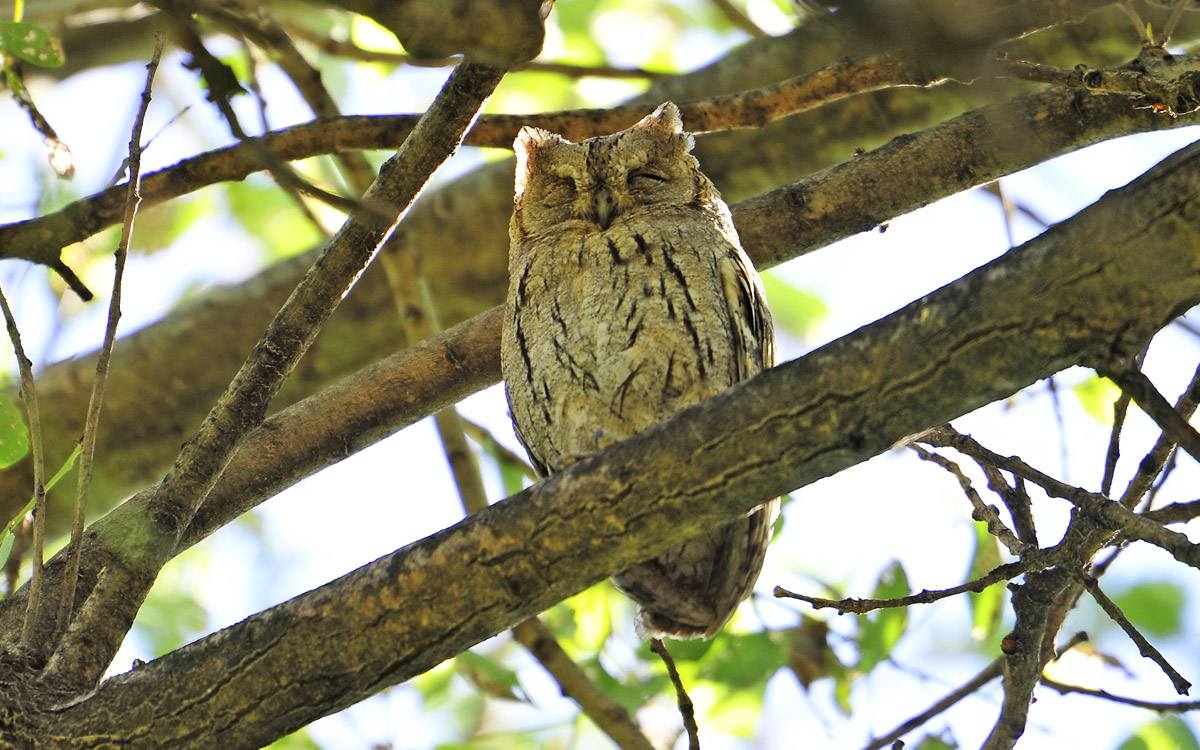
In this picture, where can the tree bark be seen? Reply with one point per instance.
(166, 376)
(1088, 291)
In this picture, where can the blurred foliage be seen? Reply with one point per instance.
(295, 741)
(1097, 395)
(1168, 733)
(14, 433)
(795, 310)
(1154, 607)
(987, 606)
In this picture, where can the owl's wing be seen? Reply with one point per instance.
(752, 328)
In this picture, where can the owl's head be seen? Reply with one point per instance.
(599, 180)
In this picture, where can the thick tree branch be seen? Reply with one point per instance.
(855, 196)
(965, 345)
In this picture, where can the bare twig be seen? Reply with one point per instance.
(989, 673)
(1145, 648)
(1034, 560)
(1120, 410)
(989, 514)
(1064, 689)
(686, 709)
(1175, 513)
(92, 422)
(1138, 386)
(1153, 463)
(1111, 514)
(29, 397)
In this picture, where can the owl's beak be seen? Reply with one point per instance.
(602, 205)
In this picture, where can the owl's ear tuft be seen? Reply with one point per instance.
(665, 119)
(529, 141)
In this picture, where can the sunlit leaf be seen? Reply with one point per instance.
(158, 227)
(880, 631)
(739, 660)
(491, 677)
(631, 695)
(987, 606)
(269, 214)
(1168, 733)
(1096, 395)
(31, 43)
(295, 741)
(793, 309)
(1154, 608)
(14, 433)
(434, 685)
(943, 741)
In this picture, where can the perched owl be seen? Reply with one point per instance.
(629, 299)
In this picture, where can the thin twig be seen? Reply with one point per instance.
(1111, 514)
(989, 514)
(1138, 386)
(34, 419)
(1035, 560)
(1111, 456)
(686, 709)
(91, 424)
(1145, 648)
(1153, 463)
(1064, 689)
(989, 673)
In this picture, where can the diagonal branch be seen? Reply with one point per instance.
(782, 429)
(794, 219)
(91, 641)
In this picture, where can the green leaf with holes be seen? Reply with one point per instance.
(31, 43)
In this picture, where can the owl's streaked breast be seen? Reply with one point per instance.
(626, 332)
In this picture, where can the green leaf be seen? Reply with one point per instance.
(1154, 608)
(1170, 733)
(14, 434)
(434, 685)
(31, 43)
(6, 534)
(1096, 395)
(881, 630)
(794, 310)
(492, 678)
(987, 606)
(630, 695)
(741, 660)
(272, 217)
(944, 741)
(299, 740)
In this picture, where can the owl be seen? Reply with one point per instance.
(630, 298)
